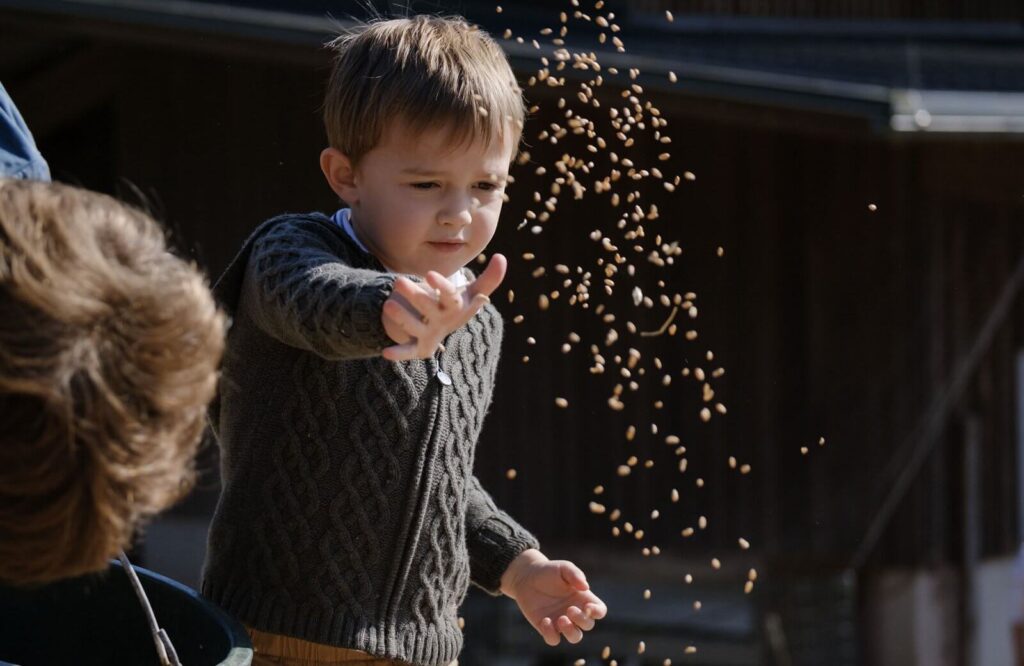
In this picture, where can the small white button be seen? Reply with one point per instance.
(443, 377)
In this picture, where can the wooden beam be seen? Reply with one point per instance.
(67, 90)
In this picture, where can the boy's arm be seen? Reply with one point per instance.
(494, 539)
(553, 595)
(299, 290)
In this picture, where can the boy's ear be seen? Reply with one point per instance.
(340, 174)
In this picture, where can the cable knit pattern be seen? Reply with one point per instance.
(350, 514)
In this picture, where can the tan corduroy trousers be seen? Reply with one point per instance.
(277, 650)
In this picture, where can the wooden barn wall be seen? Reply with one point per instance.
(829, 319)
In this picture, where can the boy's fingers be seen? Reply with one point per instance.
(571, 632)
(596, 610)
(405, 287)
(548, 632)
(580, 619)
(492, 276)
(410, 323)
(424, 305)
(475, 305)
(448, 294)
(406, 352)
(572, 575)
(415, 294)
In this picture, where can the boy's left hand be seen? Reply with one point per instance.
(427, 313)
(553, 596)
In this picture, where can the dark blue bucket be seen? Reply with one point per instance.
(97, 619)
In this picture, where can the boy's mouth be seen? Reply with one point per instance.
(447, 246)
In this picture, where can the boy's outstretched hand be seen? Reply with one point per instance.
(418, 317)
(553, 596)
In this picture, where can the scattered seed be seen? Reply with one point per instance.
(511, 473)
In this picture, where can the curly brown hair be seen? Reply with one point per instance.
(109, 347)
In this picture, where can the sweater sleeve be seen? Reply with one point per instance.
(494, 539)
(300, 289)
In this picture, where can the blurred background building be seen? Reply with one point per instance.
(861, 163)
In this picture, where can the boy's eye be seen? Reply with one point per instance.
(424, 186)
(488, 186)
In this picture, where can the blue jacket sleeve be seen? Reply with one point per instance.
(19, 157)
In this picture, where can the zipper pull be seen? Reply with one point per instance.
(441, 375)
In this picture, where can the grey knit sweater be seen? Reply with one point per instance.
(350, 514)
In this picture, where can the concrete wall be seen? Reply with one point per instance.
(912, 617)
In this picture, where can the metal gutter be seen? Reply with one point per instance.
(899, 110)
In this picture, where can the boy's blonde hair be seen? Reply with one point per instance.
(427, 72)
(109, 347)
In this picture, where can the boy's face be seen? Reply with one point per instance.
(420, 203)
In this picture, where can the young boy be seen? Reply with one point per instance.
(109, 347)
(360, 366)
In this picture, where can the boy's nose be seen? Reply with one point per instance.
(459, 214)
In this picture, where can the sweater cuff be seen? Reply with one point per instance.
(366, 315)
(492, 548)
